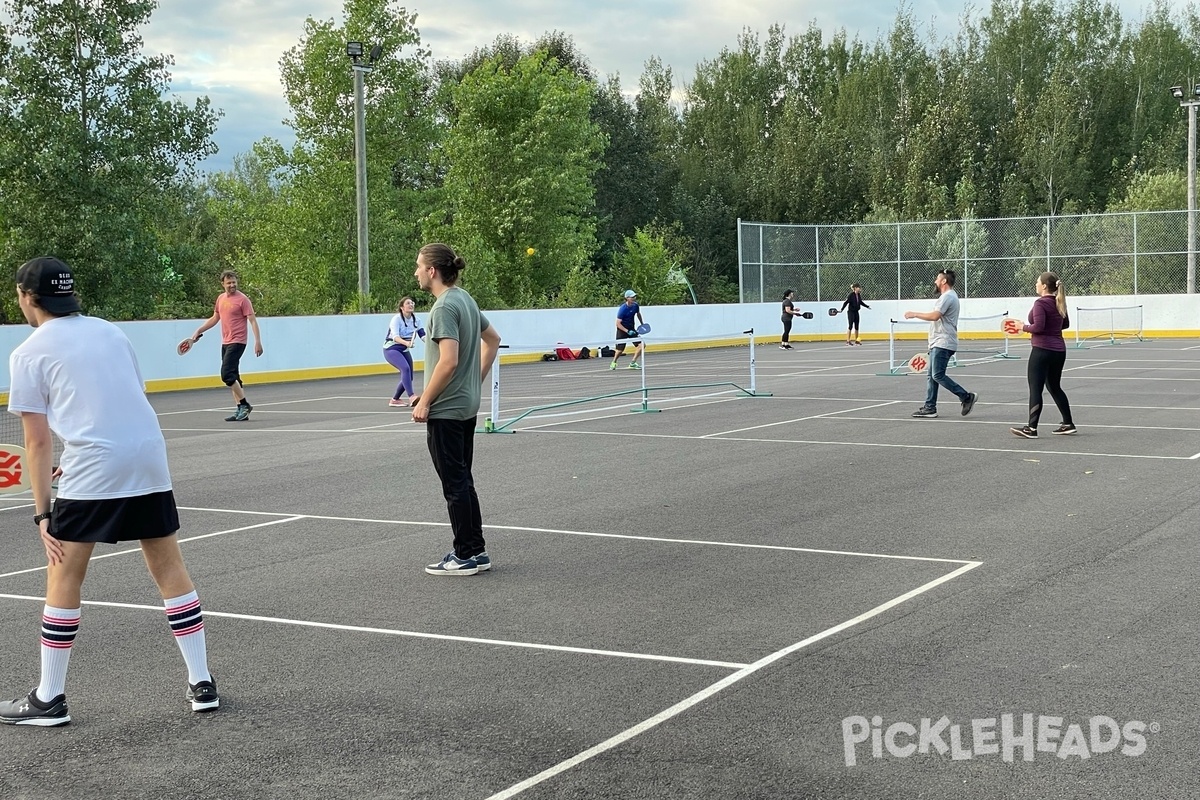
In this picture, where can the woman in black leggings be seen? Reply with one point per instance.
(1048, 354)
(787, 312)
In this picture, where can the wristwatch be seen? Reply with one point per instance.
(37, 518)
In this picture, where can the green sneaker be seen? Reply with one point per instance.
(613, 365)
(634, 365)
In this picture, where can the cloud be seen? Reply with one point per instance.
(229, 50)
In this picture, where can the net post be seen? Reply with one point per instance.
(644, 408)
(753, 390)
(492, 424)
(1004, 353)
(892, 369)
(753, 378)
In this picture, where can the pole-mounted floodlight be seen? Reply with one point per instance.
(355, 52)
(1178, 93)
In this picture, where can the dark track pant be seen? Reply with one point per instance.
(1045, 372)
(452, 446)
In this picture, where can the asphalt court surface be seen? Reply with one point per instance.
(725, 597)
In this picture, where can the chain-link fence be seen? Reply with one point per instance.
(1095, 254)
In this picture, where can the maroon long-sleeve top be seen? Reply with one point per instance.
(1046, 324)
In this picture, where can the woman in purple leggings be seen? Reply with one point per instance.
(397, 347)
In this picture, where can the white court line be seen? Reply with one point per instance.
(1023, 404)
(1089, 366)
(746, 545)
(276, 403)
(709, 438)
(244, 430)
(181, 541)
(802, 419)
(474, 640)
(303, 623)
(623, 413)
(720, 685)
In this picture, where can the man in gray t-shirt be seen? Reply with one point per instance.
(943, 342)
(462, 346)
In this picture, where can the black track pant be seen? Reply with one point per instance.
(1045, 372)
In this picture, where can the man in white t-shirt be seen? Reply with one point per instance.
(78, 377)
(943, 342)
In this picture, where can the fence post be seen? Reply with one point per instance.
(898, 295)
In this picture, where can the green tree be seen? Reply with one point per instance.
(647, 264)
(520, 158)
(625, 181)
(294, 209)
(92, 154)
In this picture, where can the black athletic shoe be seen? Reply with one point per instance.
(1026, 431)
(969, 403)
(241, 414)
(926, 412)
(1066, 429)
(29, 710)
(203, 696)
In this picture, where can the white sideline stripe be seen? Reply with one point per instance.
(720, 685)
(1090, 425)
(303, 623)
(250, 431)
(256, 407)
(663, 539)
(967, 449)
(1089, 366)
(802, 419)
(746, 545)
(712, 438)
(623, 413)
(181, 541)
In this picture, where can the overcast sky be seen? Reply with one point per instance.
(229, 50)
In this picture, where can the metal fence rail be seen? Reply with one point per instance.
(1095, 254)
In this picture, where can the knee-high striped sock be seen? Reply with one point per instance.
(187, 623)
(59, 627)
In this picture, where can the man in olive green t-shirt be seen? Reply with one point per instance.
(462, 345)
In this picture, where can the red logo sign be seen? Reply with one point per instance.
(11, 469)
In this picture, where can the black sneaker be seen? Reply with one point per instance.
(203, 695)
(29, 710)
(969, 403)
(1026, 431)
(241, 414)
(1066, 429)
(926, 412)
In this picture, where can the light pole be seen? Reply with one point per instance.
(1190, 104)
(355, 51)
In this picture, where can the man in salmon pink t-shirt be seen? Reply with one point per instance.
(235, 313)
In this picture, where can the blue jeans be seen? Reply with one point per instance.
(939, 357)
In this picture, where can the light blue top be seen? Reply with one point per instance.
(401, 327)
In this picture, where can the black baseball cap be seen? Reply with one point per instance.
(52, 282)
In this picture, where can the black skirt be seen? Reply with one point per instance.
(117, 519)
